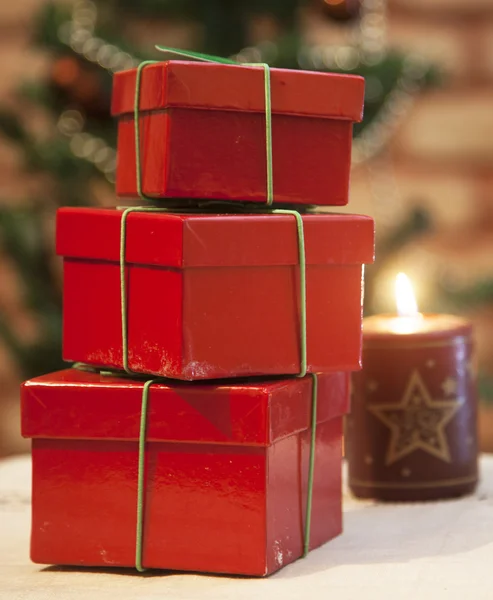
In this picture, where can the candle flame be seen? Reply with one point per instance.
(404, 296)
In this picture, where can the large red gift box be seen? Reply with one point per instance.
(215, 295)
(203, 132)
(226, 471)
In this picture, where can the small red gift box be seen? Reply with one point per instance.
(212, 296)
(203, 132)
(226, 471)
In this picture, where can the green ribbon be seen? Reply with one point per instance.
(195, 55)
(139, 539)
(123, 279)
(311, 466)
(123, 291)
(212, 59)
(147, 385)
(141, 476)
(302, 260)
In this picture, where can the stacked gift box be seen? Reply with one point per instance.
(214, 327)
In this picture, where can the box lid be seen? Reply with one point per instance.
(205, 240)
(190, 84)
(85, 405)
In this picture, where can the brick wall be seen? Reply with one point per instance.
(18, 61)
(444, 149)
(441, 157)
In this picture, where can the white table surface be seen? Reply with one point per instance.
(398, 552)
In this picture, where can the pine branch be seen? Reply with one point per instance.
(37, 93)
(47, 24)
(46, 355)
(11, 126)
(22, 238)
(174, 9)
(11, 341)
(417, 224)
(42, 357)
(478, 294)
(54, 16)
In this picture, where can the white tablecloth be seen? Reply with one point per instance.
(394, 552)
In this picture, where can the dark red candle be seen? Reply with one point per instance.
(412, 433)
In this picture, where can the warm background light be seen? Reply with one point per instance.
(404, 296)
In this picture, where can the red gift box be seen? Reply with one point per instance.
(226, 471)
(203, 132)
(212, 296)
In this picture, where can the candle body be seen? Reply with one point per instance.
(412, 432)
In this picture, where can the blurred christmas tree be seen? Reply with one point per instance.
(77, 154)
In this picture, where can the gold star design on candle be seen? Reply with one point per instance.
(430, 363)
(449, 386)
(417, 422)
(372, 386)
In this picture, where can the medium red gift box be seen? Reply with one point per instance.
(212, 296)
(203, 132)
(226, 471)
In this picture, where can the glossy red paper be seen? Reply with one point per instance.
(226, 471)
(213, 296)
(203, 133)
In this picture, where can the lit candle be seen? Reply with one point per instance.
(412, 433)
